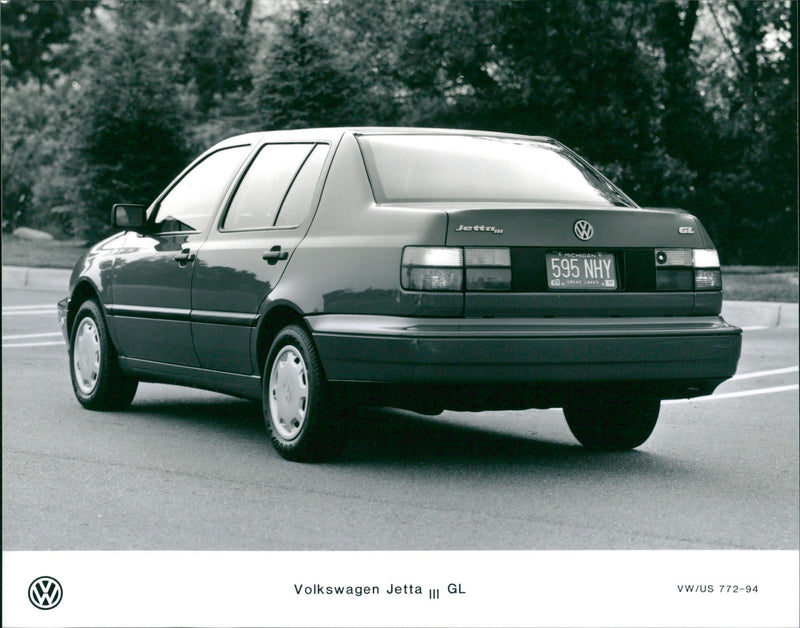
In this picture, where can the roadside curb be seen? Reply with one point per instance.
(760, 314)
(740, 313)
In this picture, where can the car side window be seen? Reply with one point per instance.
(297, 204)
(190, 205)
(258, 198)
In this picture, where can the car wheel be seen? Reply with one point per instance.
(97, 379)
(612, 425)
(299, 410)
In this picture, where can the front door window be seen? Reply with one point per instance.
(191, 203)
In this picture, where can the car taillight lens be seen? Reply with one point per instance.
(488, 268)
(487, 257)
(433, 279)
(674, 257)
(707, 280)
(674, 280)
(706, 258)
(707, 275)
(687, 269)
(432, 268)
(434, 256)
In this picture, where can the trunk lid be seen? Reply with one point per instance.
(612, 251)
(618, 227)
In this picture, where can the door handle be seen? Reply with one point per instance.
(274, 255)
(184, 257)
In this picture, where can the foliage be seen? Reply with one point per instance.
(129, 133)
(749, 195)
(34, 184)
(298, 82)
(34, 34)
(689, 103)
(217, 53)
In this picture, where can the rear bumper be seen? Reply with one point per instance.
(682, 354)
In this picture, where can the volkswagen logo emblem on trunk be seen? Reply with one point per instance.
(45, 593)
(583, 230)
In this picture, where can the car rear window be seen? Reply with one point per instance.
(446, 168)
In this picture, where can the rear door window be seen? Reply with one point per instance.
(298, 201)
(264, 189)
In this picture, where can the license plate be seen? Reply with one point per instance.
(581, 271)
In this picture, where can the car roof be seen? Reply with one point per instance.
(334, 133)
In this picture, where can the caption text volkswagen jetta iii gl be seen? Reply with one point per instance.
(417, 268)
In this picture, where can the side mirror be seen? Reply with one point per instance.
(129, 217)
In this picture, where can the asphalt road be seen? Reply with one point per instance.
(190, 470)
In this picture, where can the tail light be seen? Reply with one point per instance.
(455, 268)
(432, 268)
(488, 268)
(687, 269)
(707, 275)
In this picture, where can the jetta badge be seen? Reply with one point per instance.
(481, 228)
(583, 230)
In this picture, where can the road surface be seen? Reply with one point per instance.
(190, 470)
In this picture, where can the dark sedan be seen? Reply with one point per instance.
(419, 268)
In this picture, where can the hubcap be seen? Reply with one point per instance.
(86, 356)
(288, 393)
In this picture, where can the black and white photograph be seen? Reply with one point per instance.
(400, 313)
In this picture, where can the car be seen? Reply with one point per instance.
(317, 270)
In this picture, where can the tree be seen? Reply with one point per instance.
(32, 33)
(765, 126)
(37, 189)
(299, 82)
(684, 121)
(572, 70)
(129, 133)
(689, 103)
(750, 81)
(217, 52)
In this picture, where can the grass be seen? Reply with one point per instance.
(741, 283)
(41, 253)
(760, 283)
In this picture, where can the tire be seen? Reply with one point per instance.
(97, 379)
(612, 425)
(299, 411)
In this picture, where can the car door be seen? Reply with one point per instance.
(151, 300)
(243, 259)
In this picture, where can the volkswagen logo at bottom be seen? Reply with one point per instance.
(45, 593)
